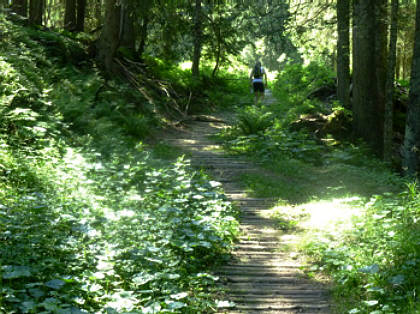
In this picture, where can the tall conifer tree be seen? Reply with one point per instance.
(411, 151)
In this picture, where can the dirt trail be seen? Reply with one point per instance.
(266, 274)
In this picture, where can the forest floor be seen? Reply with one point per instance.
(267, 272)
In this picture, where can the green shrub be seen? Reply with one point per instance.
(375, 266)
(89, 221)
(252, 120)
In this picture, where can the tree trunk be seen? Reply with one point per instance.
(143, 35)
(381, 38)
(109, 40)
(389, 88)
(98, 12)
(169, 37)
(81, 12)
(70, 16)
(343, 52)
(20, 7)
(412, 130)
(363, 74)
(197, 40)
(369, 69)
(36, 10)
(398, 64)
(127, 36)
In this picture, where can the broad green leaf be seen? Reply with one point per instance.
(95, 287)
(13, 272)
(397, 280)
(142, 279)
(372, 269)
(179, 296)
(205, 244)
(173, 305)
(371, 302)
(28, 306)
(36, 293)
(376, 289)
(152, 309)
(172, 276)
(56, 284)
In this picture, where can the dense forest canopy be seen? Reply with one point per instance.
(276, 30)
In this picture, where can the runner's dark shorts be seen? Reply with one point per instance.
(258, 87)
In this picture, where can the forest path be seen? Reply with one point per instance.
(266, 273)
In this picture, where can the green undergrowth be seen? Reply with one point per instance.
(293, 86)
(375, 264)
(204, 95)
(361, 220)
(91, 219)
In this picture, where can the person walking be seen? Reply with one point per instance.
(258, 79)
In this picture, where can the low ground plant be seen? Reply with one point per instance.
(91, 221)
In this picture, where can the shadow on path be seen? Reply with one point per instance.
(264, 274)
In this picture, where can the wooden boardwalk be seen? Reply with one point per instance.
(265, 274)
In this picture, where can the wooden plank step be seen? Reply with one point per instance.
(259, 238)
(250, 215)
(237, 196)
(267, 260)
(282, 306)
(255, 211)
(207, 154)
(256, 248)
(261, 200)
(213, 167)
(235, 261)
(275, 289)
(200, 147)
(252, 231)
(181, 141)
(261, 272)
(259, 253)
(233, 172)
(294, 267)
(249, 298)
(263, 244)
(274, 279)
(258, 221)
(246, 242)
(253, 207)
(217, 160)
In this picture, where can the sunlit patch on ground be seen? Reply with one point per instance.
(331, 217)
(328, 215)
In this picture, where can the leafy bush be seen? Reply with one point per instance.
(251, 120)
(259, 132)
(91, 234)
(375, 266)
(89, 221)
(297, 80)
(294, 84)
